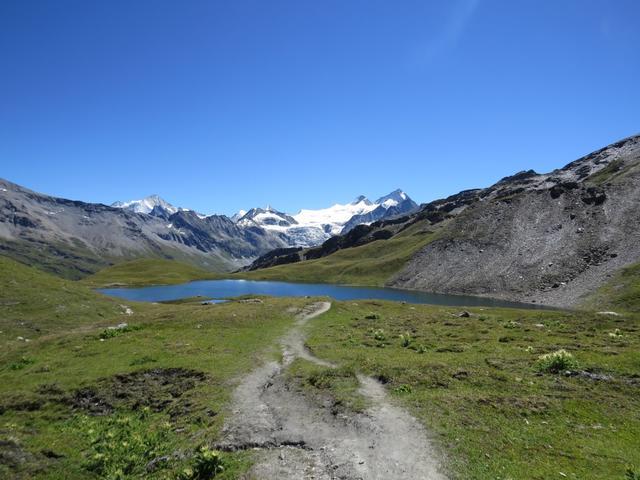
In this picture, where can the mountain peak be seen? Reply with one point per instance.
(361, 198)
(397, 196)
(146, 205)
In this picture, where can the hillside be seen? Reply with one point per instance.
(73, 238)
(147, 271)
(621, 293)
(551, 238)
(371, 263)
(33, 303)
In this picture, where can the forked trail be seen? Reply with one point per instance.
(299, 439)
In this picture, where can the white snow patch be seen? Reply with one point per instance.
(335, 216)
(146, 205)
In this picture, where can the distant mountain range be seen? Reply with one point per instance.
(74, 238)
(309, 228)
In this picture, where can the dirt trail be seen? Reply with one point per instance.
(301, 440)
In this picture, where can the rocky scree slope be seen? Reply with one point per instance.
(550, 238)
(73, 238)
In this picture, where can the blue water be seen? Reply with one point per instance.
(220, 289)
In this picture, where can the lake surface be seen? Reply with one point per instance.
(220, 289)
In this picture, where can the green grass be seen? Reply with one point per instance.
(35, 304)
(148, 271)
(621, 293)
(611, 173)
(72, 261)
(340, 384)
(476, 384)
(371, 264)
(45, 437)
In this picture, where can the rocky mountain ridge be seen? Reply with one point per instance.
(309, 228)
(551, 238)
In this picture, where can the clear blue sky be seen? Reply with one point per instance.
(219, 105)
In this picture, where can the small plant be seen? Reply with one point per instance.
(207, 464)
(402, 389)
(616, 333)
(421, 349)
(405, 340)
(112, 332)
(20, 364)
(556, 362)
(379, 335)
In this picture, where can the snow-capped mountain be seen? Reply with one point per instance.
(312, 227)
(237, 216)
(392, 205)
(267, 217)
(307, 228)
(393, 199)
(147, 205)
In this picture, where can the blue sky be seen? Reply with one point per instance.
(219, 106)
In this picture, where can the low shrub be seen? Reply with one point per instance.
(556, 362)
(616, 333)
(402, 389)
(379, 335)
(207, 464)
(117, 331)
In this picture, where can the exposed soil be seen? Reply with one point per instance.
(302, 439)
(159, 389)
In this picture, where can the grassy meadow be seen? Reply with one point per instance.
(81, 400)
(147, 271)
(478, 384)
(84, 396)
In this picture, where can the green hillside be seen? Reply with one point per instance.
(34, 303)
(147, 271)
(621, 293)
(371, 264)
(79, 399)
